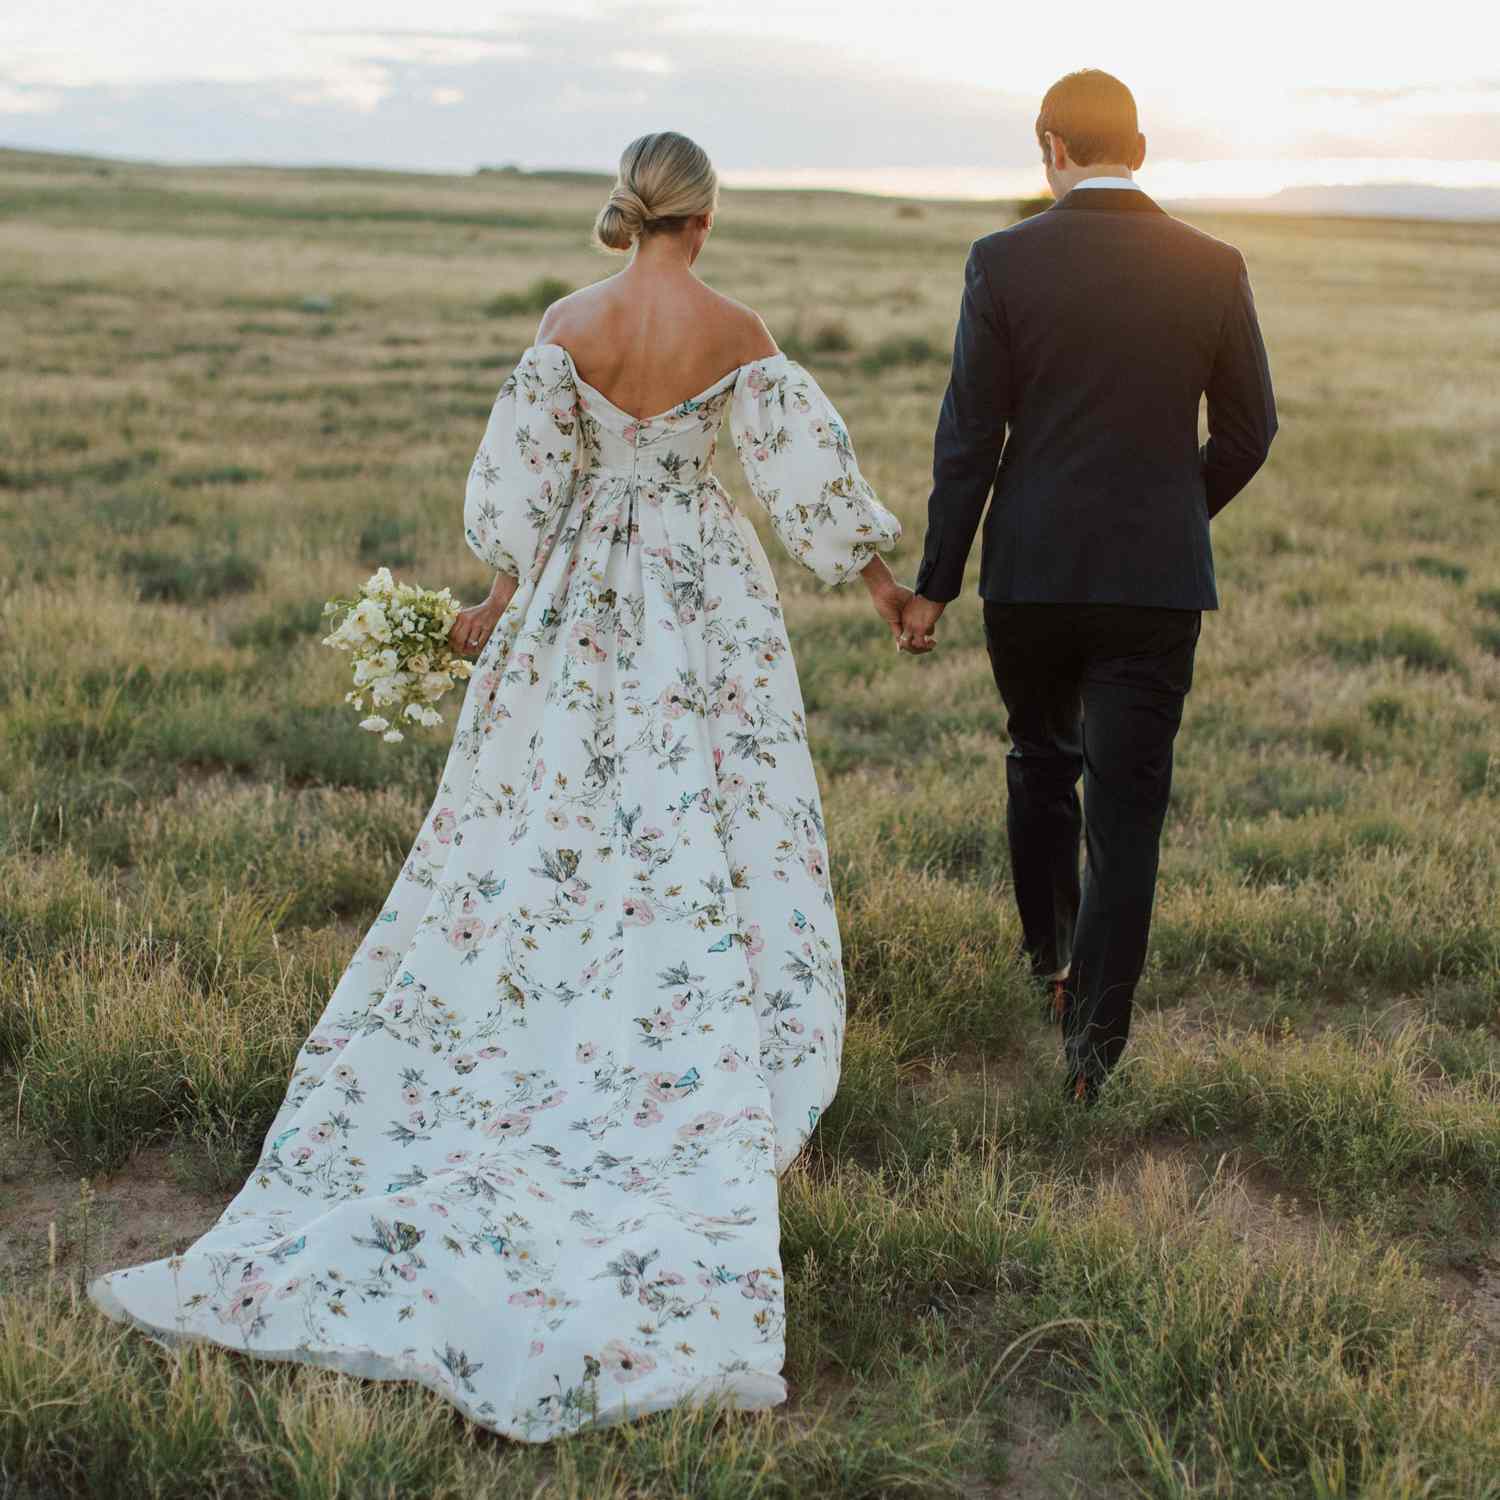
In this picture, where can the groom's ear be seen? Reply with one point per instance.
(1140, 153)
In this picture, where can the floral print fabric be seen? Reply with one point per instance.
(528, 1155)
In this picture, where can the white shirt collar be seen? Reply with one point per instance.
(1107, 182)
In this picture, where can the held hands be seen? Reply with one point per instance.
(473, 626)
(918, 621)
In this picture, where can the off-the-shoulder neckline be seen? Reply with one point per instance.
(723, 380)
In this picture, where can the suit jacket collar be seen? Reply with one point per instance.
(1130, 200)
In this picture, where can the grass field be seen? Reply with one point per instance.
(1267, 1264)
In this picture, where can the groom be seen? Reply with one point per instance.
(1086, 337)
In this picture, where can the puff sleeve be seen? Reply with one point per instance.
(526, 466)
(800, 464)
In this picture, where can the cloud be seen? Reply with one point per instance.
(569, 91)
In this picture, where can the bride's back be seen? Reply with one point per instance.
(653, 335)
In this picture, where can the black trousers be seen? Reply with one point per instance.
(1091, 690)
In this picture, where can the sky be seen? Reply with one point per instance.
(933, 98)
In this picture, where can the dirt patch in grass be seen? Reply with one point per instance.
(140, 1212)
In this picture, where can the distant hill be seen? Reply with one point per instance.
(1397, 200)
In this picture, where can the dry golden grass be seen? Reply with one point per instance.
(226, 395)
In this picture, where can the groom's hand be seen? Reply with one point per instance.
(918, 621)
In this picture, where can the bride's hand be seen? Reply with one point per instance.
(473, 626)
(888, 596)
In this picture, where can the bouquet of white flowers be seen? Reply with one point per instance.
(398, 636)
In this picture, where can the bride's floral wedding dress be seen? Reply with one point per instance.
(528, 1156)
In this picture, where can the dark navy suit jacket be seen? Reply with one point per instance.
(1086, 338)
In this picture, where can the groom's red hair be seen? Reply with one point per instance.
(1093, 113)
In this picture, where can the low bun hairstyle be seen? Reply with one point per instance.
(664, 180)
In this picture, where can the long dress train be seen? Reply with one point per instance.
(528, 1155)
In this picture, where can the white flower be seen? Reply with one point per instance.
(392, 736)
(374, 723)
(369, 619)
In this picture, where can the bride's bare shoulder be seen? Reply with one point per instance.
(743, 329)
(574, 312)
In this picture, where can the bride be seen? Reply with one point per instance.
(528, 1156)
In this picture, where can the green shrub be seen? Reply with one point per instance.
(537, 298)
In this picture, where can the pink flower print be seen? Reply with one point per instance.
(577, 891)
(531, 1297)
(562, 412)
(321, 1132)
(245, 1306)
(819, 429)
(489, 690)
(631, 432)
(429, 1294)
(507, 1124)
(288, 1287)
(671, 1278)
(651, 834)
(625, 1363)
(411, 1095)
(733, 783)
(380, 953)
(538, 1192)
(778, 874)
(729, 1060)
(754, 942)
(534, 460)
(817, 865)
(590, 974)
(680, 1002)
(492, 1051)
(648, 1113)
(800, 401)
(537, 773)
(470, 904)
(466, 935)
(585, 1052)
(819, 1035)
(551, 1100)
(454, 1157)
(638, 912)
(793, 1025)
(405, 1200)
(438, 1209)
(557, 818)
(536, 1347)
(718, 758)
(661, 1085)
(302, 1155)
(416, 1117)
(755, 1288)
(343, 1074)
(761, 453)
(758, 382)
(584, 821)
(339, 1043)
(583, 643)
(465, 1063)
(731, 699)
(442, 824)
(406, 1271)
(700, 1125)
(662, 1022)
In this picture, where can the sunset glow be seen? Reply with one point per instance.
(929, 100)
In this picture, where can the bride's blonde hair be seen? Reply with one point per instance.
(665, 179)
